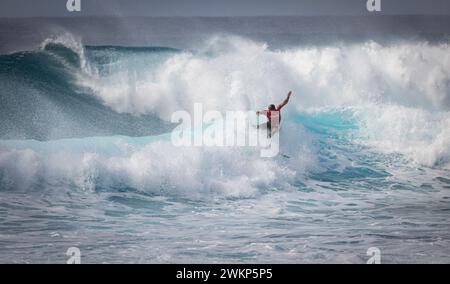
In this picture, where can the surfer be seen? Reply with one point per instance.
(273, 116)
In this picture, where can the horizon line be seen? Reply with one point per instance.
(225, 16)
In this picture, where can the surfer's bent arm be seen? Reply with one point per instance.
(285, 102)
(261, 112)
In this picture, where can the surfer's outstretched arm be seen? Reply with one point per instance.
(285, 102)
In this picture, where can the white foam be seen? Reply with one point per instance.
(234, 73)
(422, 136)
(157, 167)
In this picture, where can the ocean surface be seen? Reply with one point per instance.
(86, 158)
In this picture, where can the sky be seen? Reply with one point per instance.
(44, 8)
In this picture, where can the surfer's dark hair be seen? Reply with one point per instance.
(272, 107)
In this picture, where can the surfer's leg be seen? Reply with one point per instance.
(274, 129)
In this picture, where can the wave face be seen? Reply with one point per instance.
(85, 134)
(41, 98)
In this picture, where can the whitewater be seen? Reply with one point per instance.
(86, 158)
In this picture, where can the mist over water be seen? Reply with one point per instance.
(86, 158)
